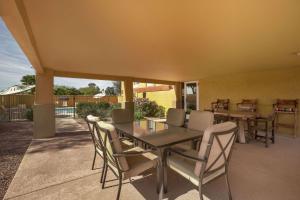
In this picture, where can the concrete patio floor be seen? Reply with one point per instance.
(60, 168)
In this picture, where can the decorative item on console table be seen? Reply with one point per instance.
(286, 106)
(247, 105)
(220, 105)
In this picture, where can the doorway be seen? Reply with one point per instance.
(191, 96)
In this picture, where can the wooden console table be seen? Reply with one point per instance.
(292, 125)
(286, 107)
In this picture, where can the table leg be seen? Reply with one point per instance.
(242, 138)
(161, 173)
(267, 137)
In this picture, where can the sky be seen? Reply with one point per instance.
(14, 65)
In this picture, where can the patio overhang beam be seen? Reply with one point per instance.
(110, 77)
(16, 19)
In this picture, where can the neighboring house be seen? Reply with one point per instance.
(17, 89)
(164, 95)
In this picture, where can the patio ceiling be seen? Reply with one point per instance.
(164, 40)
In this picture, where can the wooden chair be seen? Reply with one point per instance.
(247, 105)
(211, 161)
(260, 127)
(123, 163)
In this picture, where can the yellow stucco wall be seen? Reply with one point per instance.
(166, 99)
(265, 86)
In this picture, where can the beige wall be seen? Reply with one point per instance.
(266, 86)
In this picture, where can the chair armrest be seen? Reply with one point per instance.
(198, 139)
(187, 156)
(123, 138)
(128, 153)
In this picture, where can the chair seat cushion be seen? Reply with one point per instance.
(126, 144)
(185, 167)
(139, 164)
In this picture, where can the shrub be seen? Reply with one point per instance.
(146, 108)
(102, 109)
(29, 114)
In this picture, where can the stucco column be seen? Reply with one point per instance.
(128, 89)
(178, 92)
(43, 110)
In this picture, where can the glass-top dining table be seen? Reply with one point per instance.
(159, 139)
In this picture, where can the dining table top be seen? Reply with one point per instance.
(163, 136)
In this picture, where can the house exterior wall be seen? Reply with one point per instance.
(167, 99)
(265, 86)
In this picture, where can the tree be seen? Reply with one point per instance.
(92, 85)
(92, 89)
(28, 80)
(110, 91)
(117, 87)
(65, 90)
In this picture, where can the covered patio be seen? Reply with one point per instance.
(229, 50)
(59, 168)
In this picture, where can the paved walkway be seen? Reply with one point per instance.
(60, 168)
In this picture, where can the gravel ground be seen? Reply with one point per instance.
(15, 137)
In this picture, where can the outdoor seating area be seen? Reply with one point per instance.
(150, 99)
(129, 148)
(270, 178)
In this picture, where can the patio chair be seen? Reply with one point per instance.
(121, 116)
(123, 163)
(98, 149)
(199, 121)
(211, 161)
(175, 117)
(98, 139)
